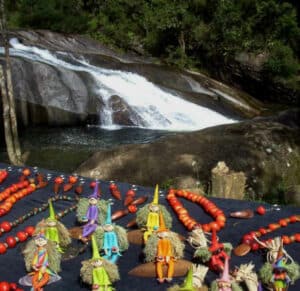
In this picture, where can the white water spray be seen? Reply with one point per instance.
(158, 109)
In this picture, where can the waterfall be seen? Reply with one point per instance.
(152, 106)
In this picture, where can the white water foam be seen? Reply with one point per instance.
(157, 108)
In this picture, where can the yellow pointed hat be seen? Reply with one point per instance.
(95, 250)
(51, 210)
(155, 197)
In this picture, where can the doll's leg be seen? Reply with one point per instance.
(170, 270)
(159, 271)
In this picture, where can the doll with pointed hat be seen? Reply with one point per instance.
(225, 282)
(42, 261)
(91, 211)
(281, 273)
(215, 254)
(54, 230)
(98, 272)
(148, 216)
(193, 280)
(114, 238)
(163, 247)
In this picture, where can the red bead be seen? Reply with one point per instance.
(247, 239)
(22, 236)
(13, 286)
(286, 239)
(3, 248)
(113, 186)
(11, 241)
(4, 286)
(293, 218)
(283, 222)
(29, 230)
(2, 211)
(130, 192)
(254, 246)
(261, 210)
(6, 226)
(262, 231)
(297, 237)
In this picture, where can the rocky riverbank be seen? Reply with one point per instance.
(266, 149)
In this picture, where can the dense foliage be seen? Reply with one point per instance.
(183, 32)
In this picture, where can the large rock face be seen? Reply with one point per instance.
(266, 149)
(53, 95)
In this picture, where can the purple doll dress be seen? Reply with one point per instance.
(92, 217)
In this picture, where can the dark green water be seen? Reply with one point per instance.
(64, 149)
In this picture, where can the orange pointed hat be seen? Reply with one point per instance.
(162, 225)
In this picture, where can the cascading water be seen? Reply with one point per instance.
(154, 107)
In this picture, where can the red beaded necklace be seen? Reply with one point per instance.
(249, 242)
(21, 236)
(205, 203)
(3, 175)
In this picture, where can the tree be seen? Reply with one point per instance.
(8, 101)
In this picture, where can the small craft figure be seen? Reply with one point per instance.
(54, 230)
(164, 254)
(98, 272)
(214, 255)
(246, 273)
(42, 260)
(283, 272)
(280, 277)
(147, 217)
(193, 281)
(225, 283)
(110, 240)
(91, 215)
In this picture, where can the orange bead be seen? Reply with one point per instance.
(286, 239)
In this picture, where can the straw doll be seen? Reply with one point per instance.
(98, 272)
(111, 238)
(54, 230)
(148, 216)
(92, 212)
(42, 260)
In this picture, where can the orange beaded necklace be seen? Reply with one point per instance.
(205, 203)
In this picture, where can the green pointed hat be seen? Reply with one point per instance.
(188, 282)
(95, 250)
(51, 210)
(155, 198)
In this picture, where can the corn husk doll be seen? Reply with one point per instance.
(193, 280)
(111, 238)
(163, 247)
(280, 274)
(215, 254)
(225, 282)
(99, 272)
(42, 261)
(92, 212)
(54, 230)
(148, 216)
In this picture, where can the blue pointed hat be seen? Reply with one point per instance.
(95, 193)
(108, 214)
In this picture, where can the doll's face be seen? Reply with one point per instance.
(97, 263)
(93, 201)
(51, 223)
(40, 241)
(108, 227)
(163, 234)
(153, 208)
